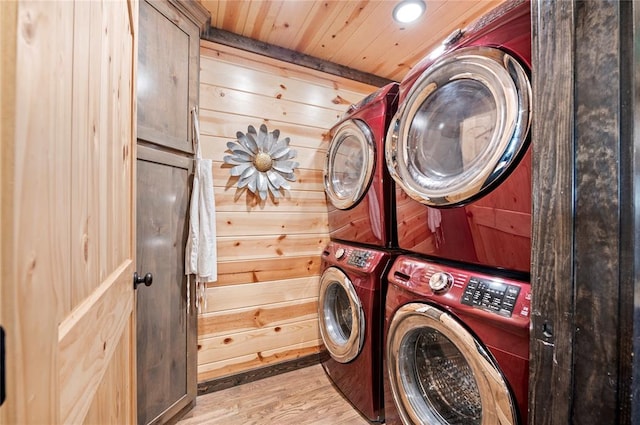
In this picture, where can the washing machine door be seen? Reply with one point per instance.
(461, 127)
(441, 375)
(342, 321)
(349, 164)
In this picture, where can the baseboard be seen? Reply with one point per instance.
(225, 382)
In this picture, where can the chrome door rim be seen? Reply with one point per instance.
(342, 349)
(505, 78)
(363, 134)
(497, 404)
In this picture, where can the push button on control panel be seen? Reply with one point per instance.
(359, 258)
(490, 295)
(470, 291)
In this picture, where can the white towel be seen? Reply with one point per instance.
(201, 251)
(201, 256)
(434, 220)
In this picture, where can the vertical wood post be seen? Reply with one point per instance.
(585, 222)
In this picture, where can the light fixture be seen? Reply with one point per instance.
(408, 11)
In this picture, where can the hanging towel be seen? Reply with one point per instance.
(201, 257)
(434, 220)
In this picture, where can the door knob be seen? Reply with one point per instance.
(147, 279)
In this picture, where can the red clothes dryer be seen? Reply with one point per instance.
(457, 346)
(351, 317)
(458, 147)
(359, 190)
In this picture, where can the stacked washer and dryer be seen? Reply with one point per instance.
(457, 305)
(424, 295)
(356, 261)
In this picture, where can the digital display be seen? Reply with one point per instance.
(490, 295)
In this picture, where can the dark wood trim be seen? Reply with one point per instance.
(597, 209)
(237, 41)
(152, 153)
(550, 394)
(585, 220)
(629, 350)
(635, 160)
(195, 11)
(186, 409)
(254, 375)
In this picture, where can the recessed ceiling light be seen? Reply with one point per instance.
(408, 10)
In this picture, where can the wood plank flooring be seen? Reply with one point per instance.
(301, 397)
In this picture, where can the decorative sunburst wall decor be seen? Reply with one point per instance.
(262, 162)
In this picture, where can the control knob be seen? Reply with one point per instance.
(340, 253)
(440, 281)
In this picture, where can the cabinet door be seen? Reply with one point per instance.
(166, 323)
(167, 78)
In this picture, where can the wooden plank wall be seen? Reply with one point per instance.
(263, 308)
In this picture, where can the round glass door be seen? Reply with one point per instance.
(349, 164)
(342, 322)
(441, 375)
(461, 127)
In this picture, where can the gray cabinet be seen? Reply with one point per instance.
(165, 322)
(167, 90)
(167, 76)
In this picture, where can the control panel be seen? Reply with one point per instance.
(466, 292)
(491, 295)
(359, 258)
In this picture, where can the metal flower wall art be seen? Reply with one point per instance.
(261, 162)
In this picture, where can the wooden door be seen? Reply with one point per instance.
(166, 331)
(68, 128)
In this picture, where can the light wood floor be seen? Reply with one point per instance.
(301, 397)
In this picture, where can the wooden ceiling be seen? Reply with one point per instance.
(360, 35)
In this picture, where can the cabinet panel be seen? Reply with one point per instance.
(167, 76)
(166, 323)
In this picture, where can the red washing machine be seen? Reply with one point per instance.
(359, 190)
(457, 346)
(351, 316)
(458, 147)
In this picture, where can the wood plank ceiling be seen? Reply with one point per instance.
(359, 35)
